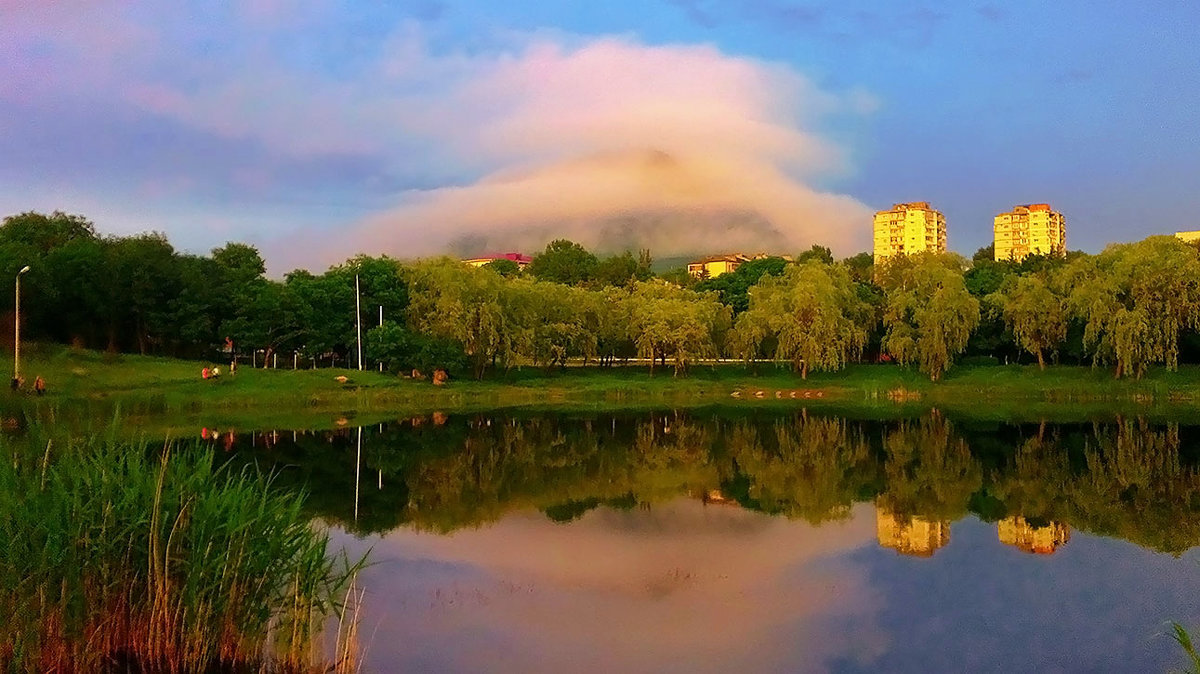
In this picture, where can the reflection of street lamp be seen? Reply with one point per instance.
(17, 332)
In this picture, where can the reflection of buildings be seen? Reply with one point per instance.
(716, 497)
(910, 535)
(1039, 540)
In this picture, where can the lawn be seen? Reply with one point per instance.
(94, 384)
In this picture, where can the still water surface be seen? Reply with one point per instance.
(768, 542)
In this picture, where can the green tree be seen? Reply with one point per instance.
(1134, 300)
(401, 350)
(269, 319)
(985, 254)
(141, 277)
(503, 267)
(549, 321)
(733, 288)
(324, 307)
(1036, 315)
(465, 304)
(861, 267)
(564, 262)
(679, 276)
(816, 253)
(929, 314)
(670, 322)
(814, 313)
(621, 270)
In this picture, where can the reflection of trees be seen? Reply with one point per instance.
(561, 466)
(813, 468)
(929, 471)
(1136, 487)
(1123, 479)
(1035, 486)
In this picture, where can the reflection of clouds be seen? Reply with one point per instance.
(683, 586)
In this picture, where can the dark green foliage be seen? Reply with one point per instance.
(503, 267)
(564, 262)
(622, 270)
(817, 253)
(861, 267)
(402, 350)
(138, 293)
(733, 288)
(679, 276)
(985, 254)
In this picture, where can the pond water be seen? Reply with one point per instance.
(712, 540)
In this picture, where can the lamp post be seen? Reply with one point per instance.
(16, 381)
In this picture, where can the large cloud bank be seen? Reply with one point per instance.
(617, 145)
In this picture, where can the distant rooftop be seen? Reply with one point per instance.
(519, 258)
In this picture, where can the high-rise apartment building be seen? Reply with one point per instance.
(909, 228)
(1030, 229)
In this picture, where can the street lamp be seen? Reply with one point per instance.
(16, 380)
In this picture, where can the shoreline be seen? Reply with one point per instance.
(148, 389)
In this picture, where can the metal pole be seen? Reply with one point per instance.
(381, 325)
(17, 330)
(358, 320)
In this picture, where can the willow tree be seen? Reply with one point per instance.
(451, 300)
(814, 313)
(549, 321)
(929, 313)
(1035, 313)
(666, 321)
(1134, 300)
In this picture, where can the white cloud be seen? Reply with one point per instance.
(674, 143)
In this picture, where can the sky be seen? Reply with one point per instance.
(320, 129)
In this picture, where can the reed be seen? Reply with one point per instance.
(115, 556)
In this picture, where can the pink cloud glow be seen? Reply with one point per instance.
(683, 587)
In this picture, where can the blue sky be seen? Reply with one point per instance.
(317, 128)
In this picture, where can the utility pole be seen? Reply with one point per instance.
(358, 320)
(16, 380)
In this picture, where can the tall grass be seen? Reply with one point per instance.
(116, 556)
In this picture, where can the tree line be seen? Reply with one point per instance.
(1130, 307)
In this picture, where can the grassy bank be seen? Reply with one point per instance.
(115, 557)
(89, 383)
